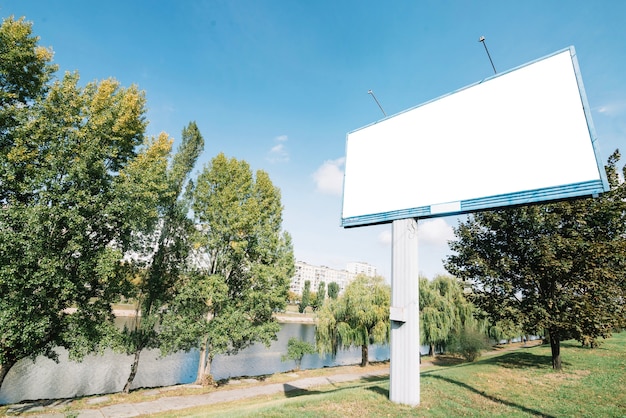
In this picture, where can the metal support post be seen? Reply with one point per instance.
(404, 386)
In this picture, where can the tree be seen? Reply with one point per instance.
(558, 266)
(25, 70)
(359, 317)
(296, 349)
(438, 316)
(320, 295)
(162, 244)
(293, 297)
(64, 220)
(444, 310)
(468, 342)
(306, 297)
(244, 264)
(333, 290)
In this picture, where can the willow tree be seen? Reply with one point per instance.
(64, 221)
(444, 311)
(357, 318)
(558, 266)
(244, 261)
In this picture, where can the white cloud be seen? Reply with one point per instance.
(329, 177)
(612, 108)
(435, 232)
(278, 153)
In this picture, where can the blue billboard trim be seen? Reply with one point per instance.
(591, 188)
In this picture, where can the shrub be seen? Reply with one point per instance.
(468, 343)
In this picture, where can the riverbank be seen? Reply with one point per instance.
(289, 316)
(154, 400)
(171, 398)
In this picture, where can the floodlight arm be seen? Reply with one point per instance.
(370, 92)
(482, 40)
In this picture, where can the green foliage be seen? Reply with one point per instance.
(444, 310)
(25, 70)
(356, 319)
(504, 330)
(558, 266)
(296, 349)
(333, 290)
(306, 297)
(245, 259)
(162, 234)
(468, 342)
(65, 221)
(320, 295)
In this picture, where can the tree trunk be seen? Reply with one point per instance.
(201, 363)
(204, 376)
(431, 350)
(555, 346)
(364, 355)
(4, 370)
(133, 372)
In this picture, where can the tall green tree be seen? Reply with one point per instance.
(245, 263)
(163, 244)
(333, 290)
(64, 219)
(320, 296)
(306, 297)
(358, 318)
(559, 266)
(25, 70)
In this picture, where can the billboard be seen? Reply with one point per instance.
(519, 137)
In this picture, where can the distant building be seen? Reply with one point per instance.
(318, 274)
(361, 268)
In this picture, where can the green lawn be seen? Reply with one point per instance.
(519, 383)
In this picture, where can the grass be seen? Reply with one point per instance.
(518, 383)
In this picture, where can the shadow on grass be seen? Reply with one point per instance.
(522, 359)
(368, 383)
(32, 406)
(492, 398)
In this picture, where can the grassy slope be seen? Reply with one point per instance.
(511, 384)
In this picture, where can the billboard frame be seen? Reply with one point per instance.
(589, 188)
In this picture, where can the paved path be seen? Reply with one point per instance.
(173, 403)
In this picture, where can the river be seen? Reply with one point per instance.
(107, 373)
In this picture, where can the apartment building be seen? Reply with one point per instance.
(318, 274)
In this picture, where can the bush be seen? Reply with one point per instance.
(468, 343)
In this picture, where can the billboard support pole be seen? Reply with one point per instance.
(404, 373)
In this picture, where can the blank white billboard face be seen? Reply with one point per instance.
(521, 137)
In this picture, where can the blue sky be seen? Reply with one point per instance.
(280, 83)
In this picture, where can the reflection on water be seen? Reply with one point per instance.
(45, 379)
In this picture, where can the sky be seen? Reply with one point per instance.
(280, 83)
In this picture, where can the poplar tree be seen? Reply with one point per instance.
(306, 297)
(333, 290)
(320, 296)
(162, 244)
(244, 263)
